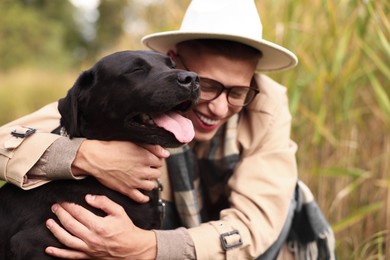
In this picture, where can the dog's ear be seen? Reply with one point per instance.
(86, 79)
(69, 105)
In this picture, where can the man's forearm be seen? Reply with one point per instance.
(174, 244)
(56, 162)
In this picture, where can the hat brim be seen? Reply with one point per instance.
(274, 57)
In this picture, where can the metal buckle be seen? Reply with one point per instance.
(225, 244)
(29, 131)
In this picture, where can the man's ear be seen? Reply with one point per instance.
(172, 54)
(69, 105)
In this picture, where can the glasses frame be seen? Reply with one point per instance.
(222, 88)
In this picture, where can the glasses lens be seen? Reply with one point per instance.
(209, 89)
(238, 96)
(250, 96)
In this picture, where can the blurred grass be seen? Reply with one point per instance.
(339, 97)
(24, 90)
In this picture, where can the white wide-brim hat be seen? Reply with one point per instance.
(234, 20)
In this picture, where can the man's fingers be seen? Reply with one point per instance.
(75, 219)
(138, 196)
(152, 173)
(63, 236)
(157, 150)
(66, 253)
(149, 184)
(104, 203)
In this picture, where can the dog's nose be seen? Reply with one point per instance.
(188, 79)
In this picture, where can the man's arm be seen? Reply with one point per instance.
(30, 160)
(20, 152)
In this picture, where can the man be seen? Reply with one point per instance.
(228, 192)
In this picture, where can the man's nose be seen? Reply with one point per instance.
(220, 105)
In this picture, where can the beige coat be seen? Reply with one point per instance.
(262, 183)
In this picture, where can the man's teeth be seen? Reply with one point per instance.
(206, 120)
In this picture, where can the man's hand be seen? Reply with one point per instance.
(93, 237)
(123, 166)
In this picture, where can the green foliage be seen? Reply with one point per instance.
(46, 33)
(110, 23)
(33, 32)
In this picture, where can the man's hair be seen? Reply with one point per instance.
(224, 47)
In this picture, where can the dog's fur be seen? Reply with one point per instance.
(106, 103)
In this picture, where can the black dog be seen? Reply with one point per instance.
(129, 95)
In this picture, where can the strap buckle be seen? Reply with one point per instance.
(226, 244)
(23, 132)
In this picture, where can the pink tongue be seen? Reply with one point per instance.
(178, 125)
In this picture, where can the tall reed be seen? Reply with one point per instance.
(339, 96)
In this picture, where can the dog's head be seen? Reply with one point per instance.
(132, 95)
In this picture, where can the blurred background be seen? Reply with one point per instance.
(339, 92)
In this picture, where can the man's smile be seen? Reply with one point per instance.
(207, 121)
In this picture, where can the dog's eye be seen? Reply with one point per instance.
(136, 70)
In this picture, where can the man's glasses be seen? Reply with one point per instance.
(237, 96)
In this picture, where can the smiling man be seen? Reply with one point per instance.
(226, 71)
